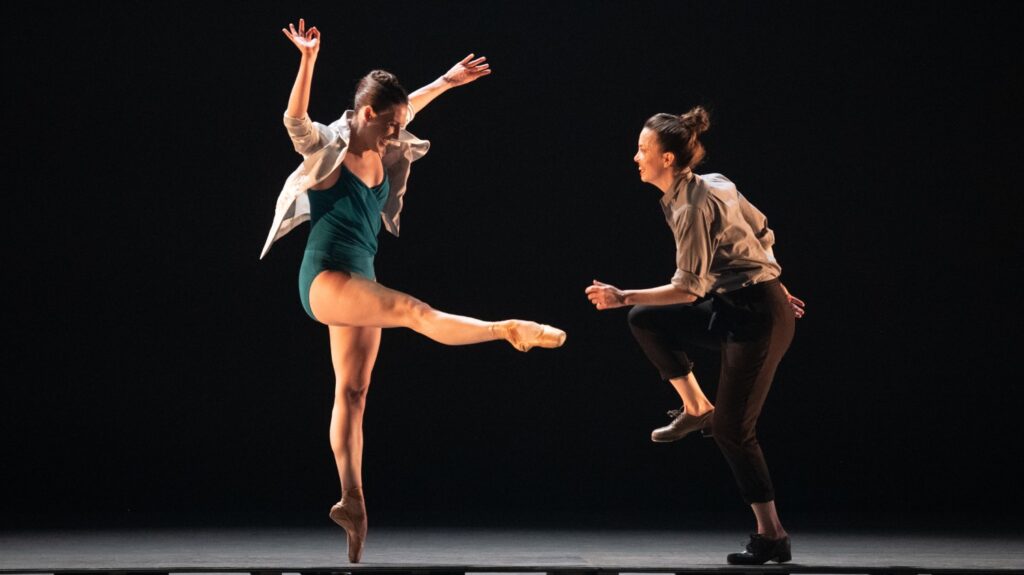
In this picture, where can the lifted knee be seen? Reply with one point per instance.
(639, 315)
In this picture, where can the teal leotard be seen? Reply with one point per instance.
(344, 223)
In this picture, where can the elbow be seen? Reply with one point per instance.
(687, 297)
(682, 294)
(301, 148)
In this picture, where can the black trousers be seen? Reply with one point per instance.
(752, 327)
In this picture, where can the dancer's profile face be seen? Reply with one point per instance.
(651, 161)
(382, 128)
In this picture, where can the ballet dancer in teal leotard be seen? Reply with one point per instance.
(351, 182)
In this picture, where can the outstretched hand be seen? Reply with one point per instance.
(605, 296)
(307, 41)
(467, 70)
(794, 302)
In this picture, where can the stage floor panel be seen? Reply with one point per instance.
(305, 550)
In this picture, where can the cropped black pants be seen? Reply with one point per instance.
(752, 327)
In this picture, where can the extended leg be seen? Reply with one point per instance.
(340, 298)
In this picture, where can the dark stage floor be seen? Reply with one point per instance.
(305, 550)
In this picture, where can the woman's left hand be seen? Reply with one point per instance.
(467, 70)
(794, 302)
(605, 296)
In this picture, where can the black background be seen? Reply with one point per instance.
(157, 371)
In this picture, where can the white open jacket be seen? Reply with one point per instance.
(323, 149)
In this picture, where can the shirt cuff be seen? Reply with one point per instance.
(689, 282)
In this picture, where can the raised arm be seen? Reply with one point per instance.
(308, 43)
(467, 70)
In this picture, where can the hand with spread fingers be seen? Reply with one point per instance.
(467, 70)
(307, 41)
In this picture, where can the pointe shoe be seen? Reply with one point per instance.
(525, 335)
(761, 550)
(682, 425)
(350, 513)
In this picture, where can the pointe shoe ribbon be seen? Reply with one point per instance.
(350, 514)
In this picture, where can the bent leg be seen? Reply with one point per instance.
(339, 298)
(665, 333)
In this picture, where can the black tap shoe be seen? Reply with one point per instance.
(761, 550)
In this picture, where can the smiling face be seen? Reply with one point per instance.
(380, 129)
(654, 164)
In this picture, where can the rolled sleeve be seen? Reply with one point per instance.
(695, 248)
(689, 282)
(307, 136)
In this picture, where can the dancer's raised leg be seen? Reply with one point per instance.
(341, 298)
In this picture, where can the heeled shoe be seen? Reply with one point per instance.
(350, 514)
(761, 550)
(525, 335)
(682, 425)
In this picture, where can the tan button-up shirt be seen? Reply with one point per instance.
(323, 148)
(723, 242)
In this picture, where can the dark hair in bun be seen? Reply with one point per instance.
(679, 134)
(380, 90)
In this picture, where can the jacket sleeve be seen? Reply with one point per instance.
(307, 136)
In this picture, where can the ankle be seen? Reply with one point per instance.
(499, 329)
(699, 408)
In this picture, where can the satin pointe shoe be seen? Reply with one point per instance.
(761, 550)
(525, 335)
(350, 513)
(682, 425)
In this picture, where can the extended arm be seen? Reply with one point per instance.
(464, 72)
(605, 296)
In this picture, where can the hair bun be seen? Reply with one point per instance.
(382, 76)
(696, 120)
(379, 89)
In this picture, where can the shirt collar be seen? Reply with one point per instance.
(678, 185)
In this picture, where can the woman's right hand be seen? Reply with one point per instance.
(307, 41)
(605, 296)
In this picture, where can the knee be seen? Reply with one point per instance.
(639, 316)
(416, 312)
(730, 435)
(352, 392)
